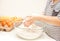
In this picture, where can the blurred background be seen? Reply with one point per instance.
(22, 7)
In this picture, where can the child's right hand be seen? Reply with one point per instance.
(55, 1)
(29, 21)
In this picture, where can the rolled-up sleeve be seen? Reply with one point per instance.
(58, 15)
(48, 9)
(57, 7)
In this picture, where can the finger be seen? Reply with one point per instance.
(26, 24)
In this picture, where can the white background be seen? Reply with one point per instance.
(22, 7)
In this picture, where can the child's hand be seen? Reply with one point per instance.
(29, 21)
(55, 1)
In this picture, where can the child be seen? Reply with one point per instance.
(51, 18)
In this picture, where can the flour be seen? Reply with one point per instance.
(31, 32)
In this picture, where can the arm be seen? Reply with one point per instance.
(49, 19)
(55, 1)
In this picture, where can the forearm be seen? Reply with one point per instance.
(49, 19)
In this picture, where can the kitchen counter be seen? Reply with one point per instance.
(11, 36)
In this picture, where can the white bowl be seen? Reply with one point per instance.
(32, 32)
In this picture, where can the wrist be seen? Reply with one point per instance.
(38, 17)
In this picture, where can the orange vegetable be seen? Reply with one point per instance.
(15, 19)
(9, 23)
(3, 23)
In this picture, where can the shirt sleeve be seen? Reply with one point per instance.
(58, 15)
(57, 7)
(48, 9)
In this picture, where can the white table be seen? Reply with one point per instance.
(11, 36)
(14, 8)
